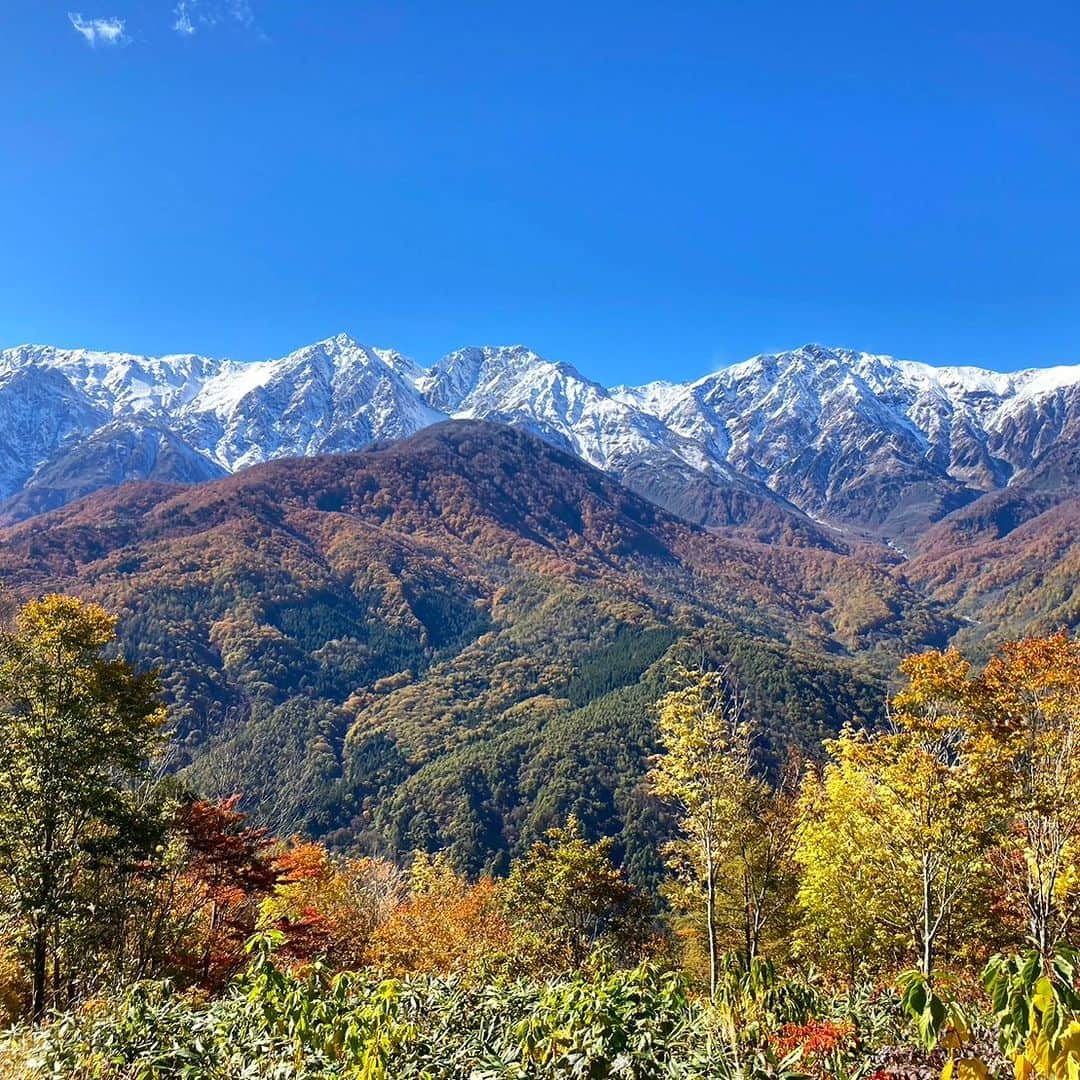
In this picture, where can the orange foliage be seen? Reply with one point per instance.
(447, 926)
(329, 908)
(818, 1041)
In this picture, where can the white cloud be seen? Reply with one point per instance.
(108, 31)
(190, 16)
(183, 23)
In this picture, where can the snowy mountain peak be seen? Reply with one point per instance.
(462, 377)
(342, 340)
(343, 352)
(853, 437)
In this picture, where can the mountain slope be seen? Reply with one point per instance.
(40, 411)
(1008, 564)
(335, 629)
(339, 395)
(867, 444)
(1016, 575)
(870, 441)
(335, 395)
(513, 385)
(112, 455)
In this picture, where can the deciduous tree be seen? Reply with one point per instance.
(567, 898)
(77, 727)
(734, 851)
(229, 864)
(329, 907)
(447, 925)
(1029, 694)
(902, 824)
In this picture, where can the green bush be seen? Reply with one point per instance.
(271, 1025)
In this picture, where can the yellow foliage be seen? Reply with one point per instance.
(895, 834)
(447, 926)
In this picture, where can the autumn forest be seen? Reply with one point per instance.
(454, 758)
(904, 898)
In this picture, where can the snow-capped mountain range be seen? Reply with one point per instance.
(850, 438)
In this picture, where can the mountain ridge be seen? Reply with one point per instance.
(858, 441)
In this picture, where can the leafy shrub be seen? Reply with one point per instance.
(638, 1024)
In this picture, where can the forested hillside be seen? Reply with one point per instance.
(1009, 563)
(901, 905)
(453, 641)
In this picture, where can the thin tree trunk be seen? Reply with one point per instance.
(208, 952)
(748, 946)
(40, 970)
(928, 931)
(710, 918)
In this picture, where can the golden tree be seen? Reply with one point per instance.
(1029, 695)
(76, 729)
(733, 855)
(900, 825)
(837, 836)
(447, 925)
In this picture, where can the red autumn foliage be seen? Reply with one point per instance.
(819, 1041)
(229, 864)
(309, 931)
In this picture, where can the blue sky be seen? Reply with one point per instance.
(642, 189)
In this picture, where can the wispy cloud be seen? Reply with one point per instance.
(183, 24)
(109, 31)
(191, 16)
(240, 11)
